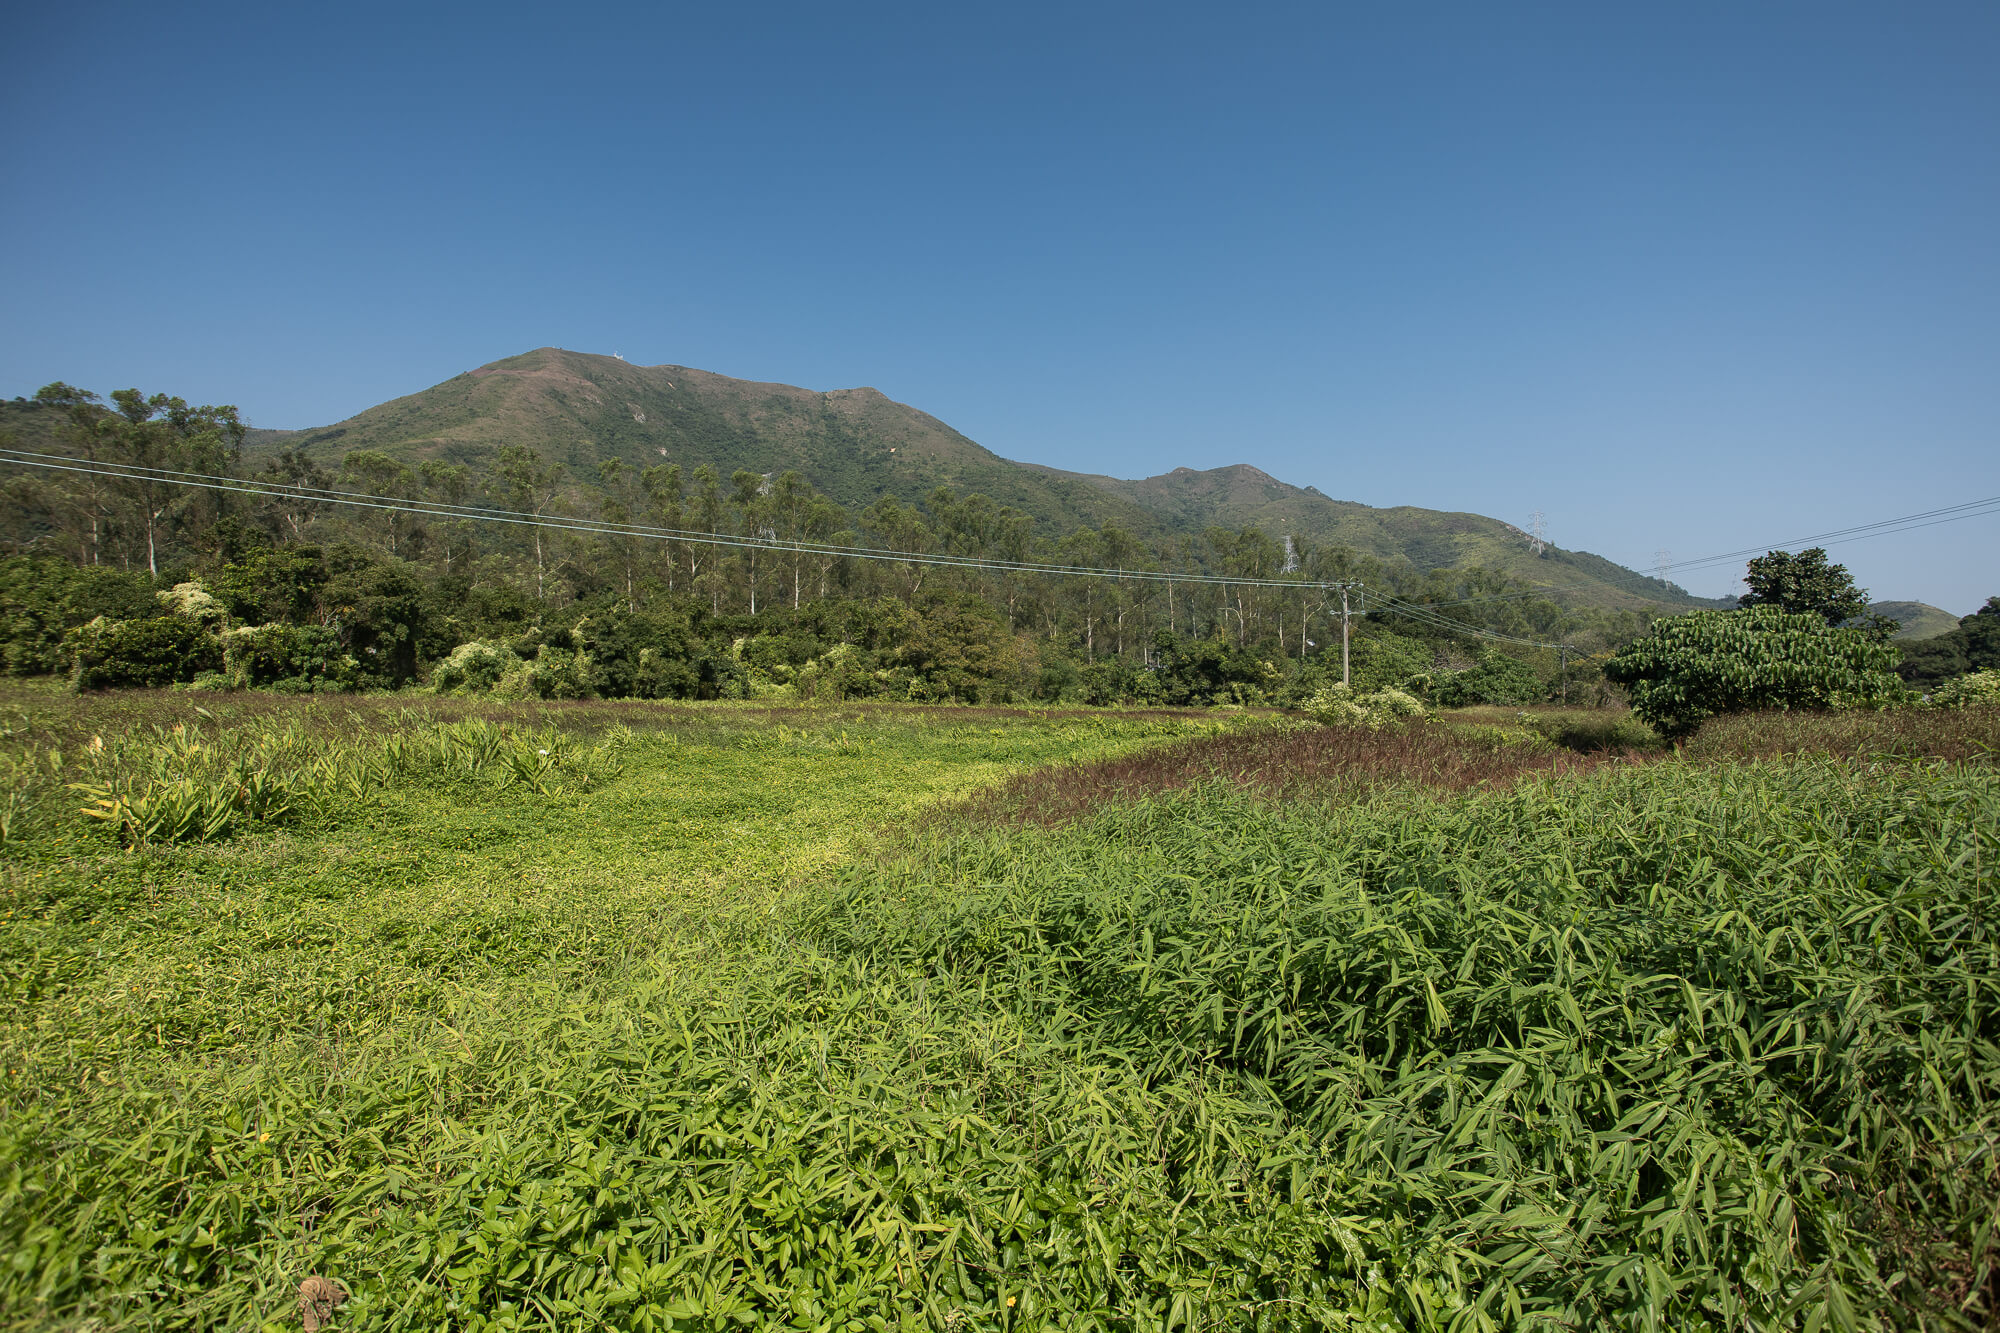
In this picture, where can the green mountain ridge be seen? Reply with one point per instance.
(1240, 496)
(858, 445)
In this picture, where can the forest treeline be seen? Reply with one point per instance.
(133, 580)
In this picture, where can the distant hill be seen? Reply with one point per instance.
(858, 445)
(1920, 620)
(1242, 496)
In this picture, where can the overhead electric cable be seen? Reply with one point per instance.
(1886, 527)
(599, 527)
(439, 509)
(1426, 613)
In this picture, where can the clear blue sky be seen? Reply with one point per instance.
(1692, 276)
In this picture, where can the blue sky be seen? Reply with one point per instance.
(1689, 277)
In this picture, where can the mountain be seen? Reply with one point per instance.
(858, 445)
(1242, 496)
(1920, 620)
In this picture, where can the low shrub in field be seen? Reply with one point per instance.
(1980, 689)
(178, 784)
(1283, 762)
(1584, 730)
(1908, 733)
(473, 668)
(1337, 705)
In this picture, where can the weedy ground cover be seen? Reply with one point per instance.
(1450, 1032)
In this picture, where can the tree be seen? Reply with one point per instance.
(1979, 633)
(162, 434)
(531, 486)
(388, 479)
(155, 436)
(1806, 584)
(295, 510)
(623, 494)
(1693, 667)
(751, 497)
(83, 500)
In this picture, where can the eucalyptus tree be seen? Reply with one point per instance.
(531, 487)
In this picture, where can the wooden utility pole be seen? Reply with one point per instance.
(1343, 634)
(1345, 588)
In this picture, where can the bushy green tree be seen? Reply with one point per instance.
(42, 598)
(142, 654)
(1497, 679)
(297, 658)
(1805, 584)
(1693, 667)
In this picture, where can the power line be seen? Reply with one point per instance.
(439, 509)
(1423, 613)
(1861, 532)
(603, 527)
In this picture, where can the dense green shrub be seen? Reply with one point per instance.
(841, 672)
(298, 656)
(1337, 705)
(141, 654)
(473, 668)
(1380, 659)
(1693, 667)
(1212, 671)
(43, 598)
(1497, 679)
(1980, 689)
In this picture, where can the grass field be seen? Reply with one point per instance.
(960, 1018)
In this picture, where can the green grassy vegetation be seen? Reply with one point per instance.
(1916, 620)
(1587, 730)
(869, 1018)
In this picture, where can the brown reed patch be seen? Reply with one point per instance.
(1958, 734)
(1299, 763)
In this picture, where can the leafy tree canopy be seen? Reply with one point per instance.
(1805, 584)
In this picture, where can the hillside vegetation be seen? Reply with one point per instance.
(177, 555)
(857, 446)
(1917, 620)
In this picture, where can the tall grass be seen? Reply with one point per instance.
(1970, 733)
(1662, 1048)
(168, 784)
